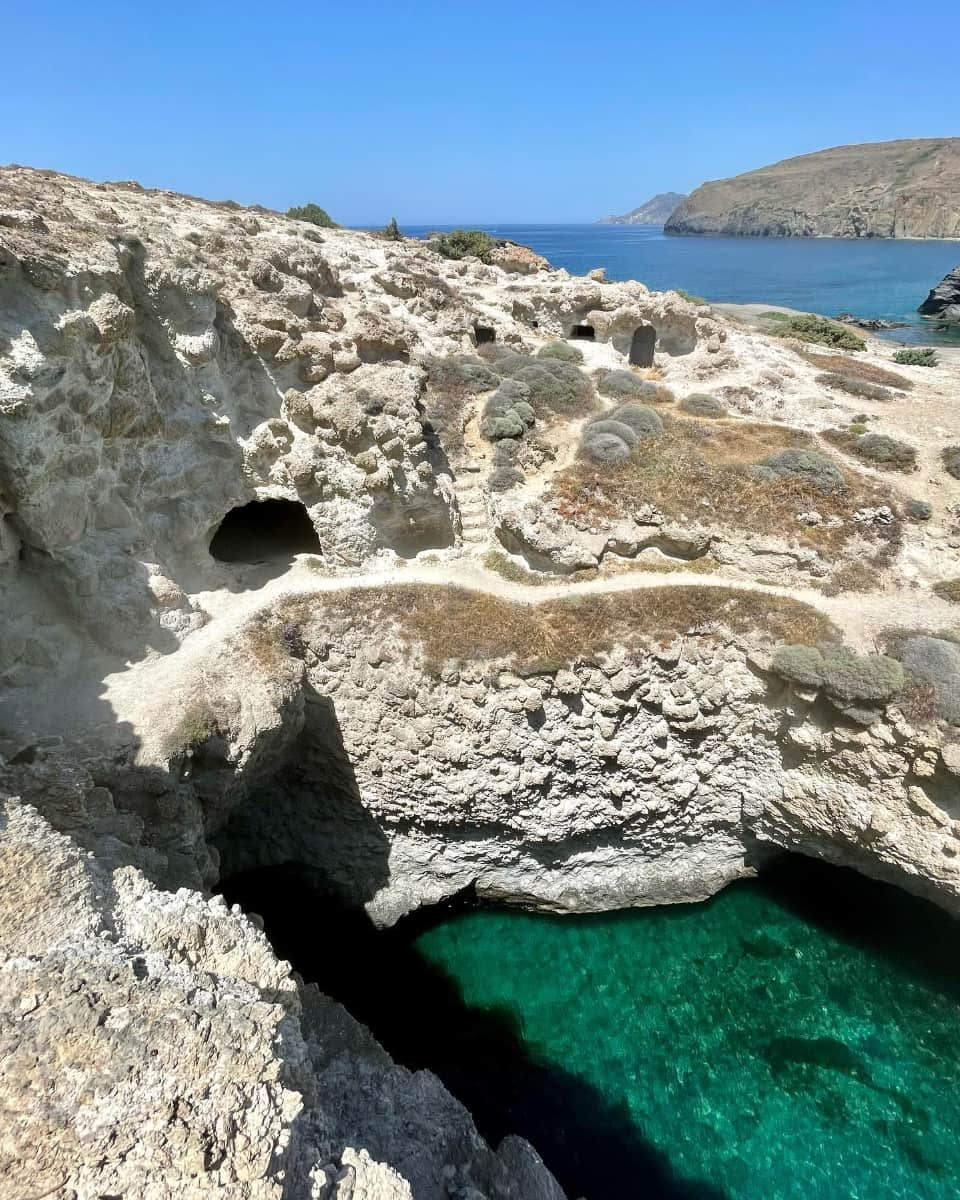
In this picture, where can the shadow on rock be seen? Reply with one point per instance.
(416, 1011)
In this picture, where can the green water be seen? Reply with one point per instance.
(770, 1044)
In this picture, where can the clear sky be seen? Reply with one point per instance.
(457, 112)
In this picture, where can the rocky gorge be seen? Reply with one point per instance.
(420, 575)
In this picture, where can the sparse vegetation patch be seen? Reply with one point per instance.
(454, 624)
(916, 358)
(314, 214)
(464, 243)
(561, 350)
(807, 327)
(855, 368)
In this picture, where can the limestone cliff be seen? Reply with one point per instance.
(906, 188)
(304, 558)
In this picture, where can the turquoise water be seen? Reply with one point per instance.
(795, 1040)
(868, 277)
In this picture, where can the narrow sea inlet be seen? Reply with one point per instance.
(793, 1037)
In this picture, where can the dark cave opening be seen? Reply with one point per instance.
(592, 1145)
(265, 530)
(642, 346)
(583, 332)
(484, 334)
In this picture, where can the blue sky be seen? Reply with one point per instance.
(482, 111)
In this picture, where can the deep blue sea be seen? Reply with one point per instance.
(868, 278)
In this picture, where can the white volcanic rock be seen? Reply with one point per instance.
(168, 717)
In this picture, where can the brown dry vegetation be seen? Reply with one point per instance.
(854, 368)
(458, 624)
(702, 472)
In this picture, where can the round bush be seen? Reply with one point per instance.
(886, 451)
(617, 428)
(562, 351)
(460, 373)
(699, 404)
(655, 393)
(606, 449)
(618, 384)
(508, 425)
(918, 510)
(556, 387)
(504, 478)
(511, 362)
(642, 420)
(950, 457)
(936, 661)
(505, 451)
(809, 465)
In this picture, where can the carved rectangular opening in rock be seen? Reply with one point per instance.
(483, 335)
(584, 332)
(642, 345)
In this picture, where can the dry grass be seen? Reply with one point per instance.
(702, 472)
(852, 577)
(198, 722)
(854, 368)
(458, 624)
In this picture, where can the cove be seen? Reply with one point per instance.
(796, 1036)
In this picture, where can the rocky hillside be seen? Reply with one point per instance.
(906, 188)
(656, 211)
(421, 575)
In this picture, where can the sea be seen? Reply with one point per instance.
(871, 278)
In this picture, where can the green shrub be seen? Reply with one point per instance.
(556, 387)
(510, 361)
(606, 449)
(391, 232)
(950, 457)
(461, 243)
(857, 428)
(642, 420)
(690, 297)
(617, 428)
(504, 478)
(918, 510)
(507, 414)
(505, 452)
(562, 351)
(935, 661)
(854, 387)
(916, 358)
(314, 214)
(460, 374)
(842, 674)
(886, 451)
(806, 327)
(619, 384)
(699, 404)
(809, 465)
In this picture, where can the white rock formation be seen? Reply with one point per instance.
(168, 718)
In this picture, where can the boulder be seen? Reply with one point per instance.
(944, 300)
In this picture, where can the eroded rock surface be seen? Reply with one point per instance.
(191, 687)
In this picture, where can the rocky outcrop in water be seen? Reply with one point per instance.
(944, 300)
(881, 189)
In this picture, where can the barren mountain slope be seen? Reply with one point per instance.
(908, 188)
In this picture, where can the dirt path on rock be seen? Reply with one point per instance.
(141, 695)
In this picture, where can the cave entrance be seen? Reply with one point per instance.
(264, 531)
(642, 346)
(484, 334)
(583, 333)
